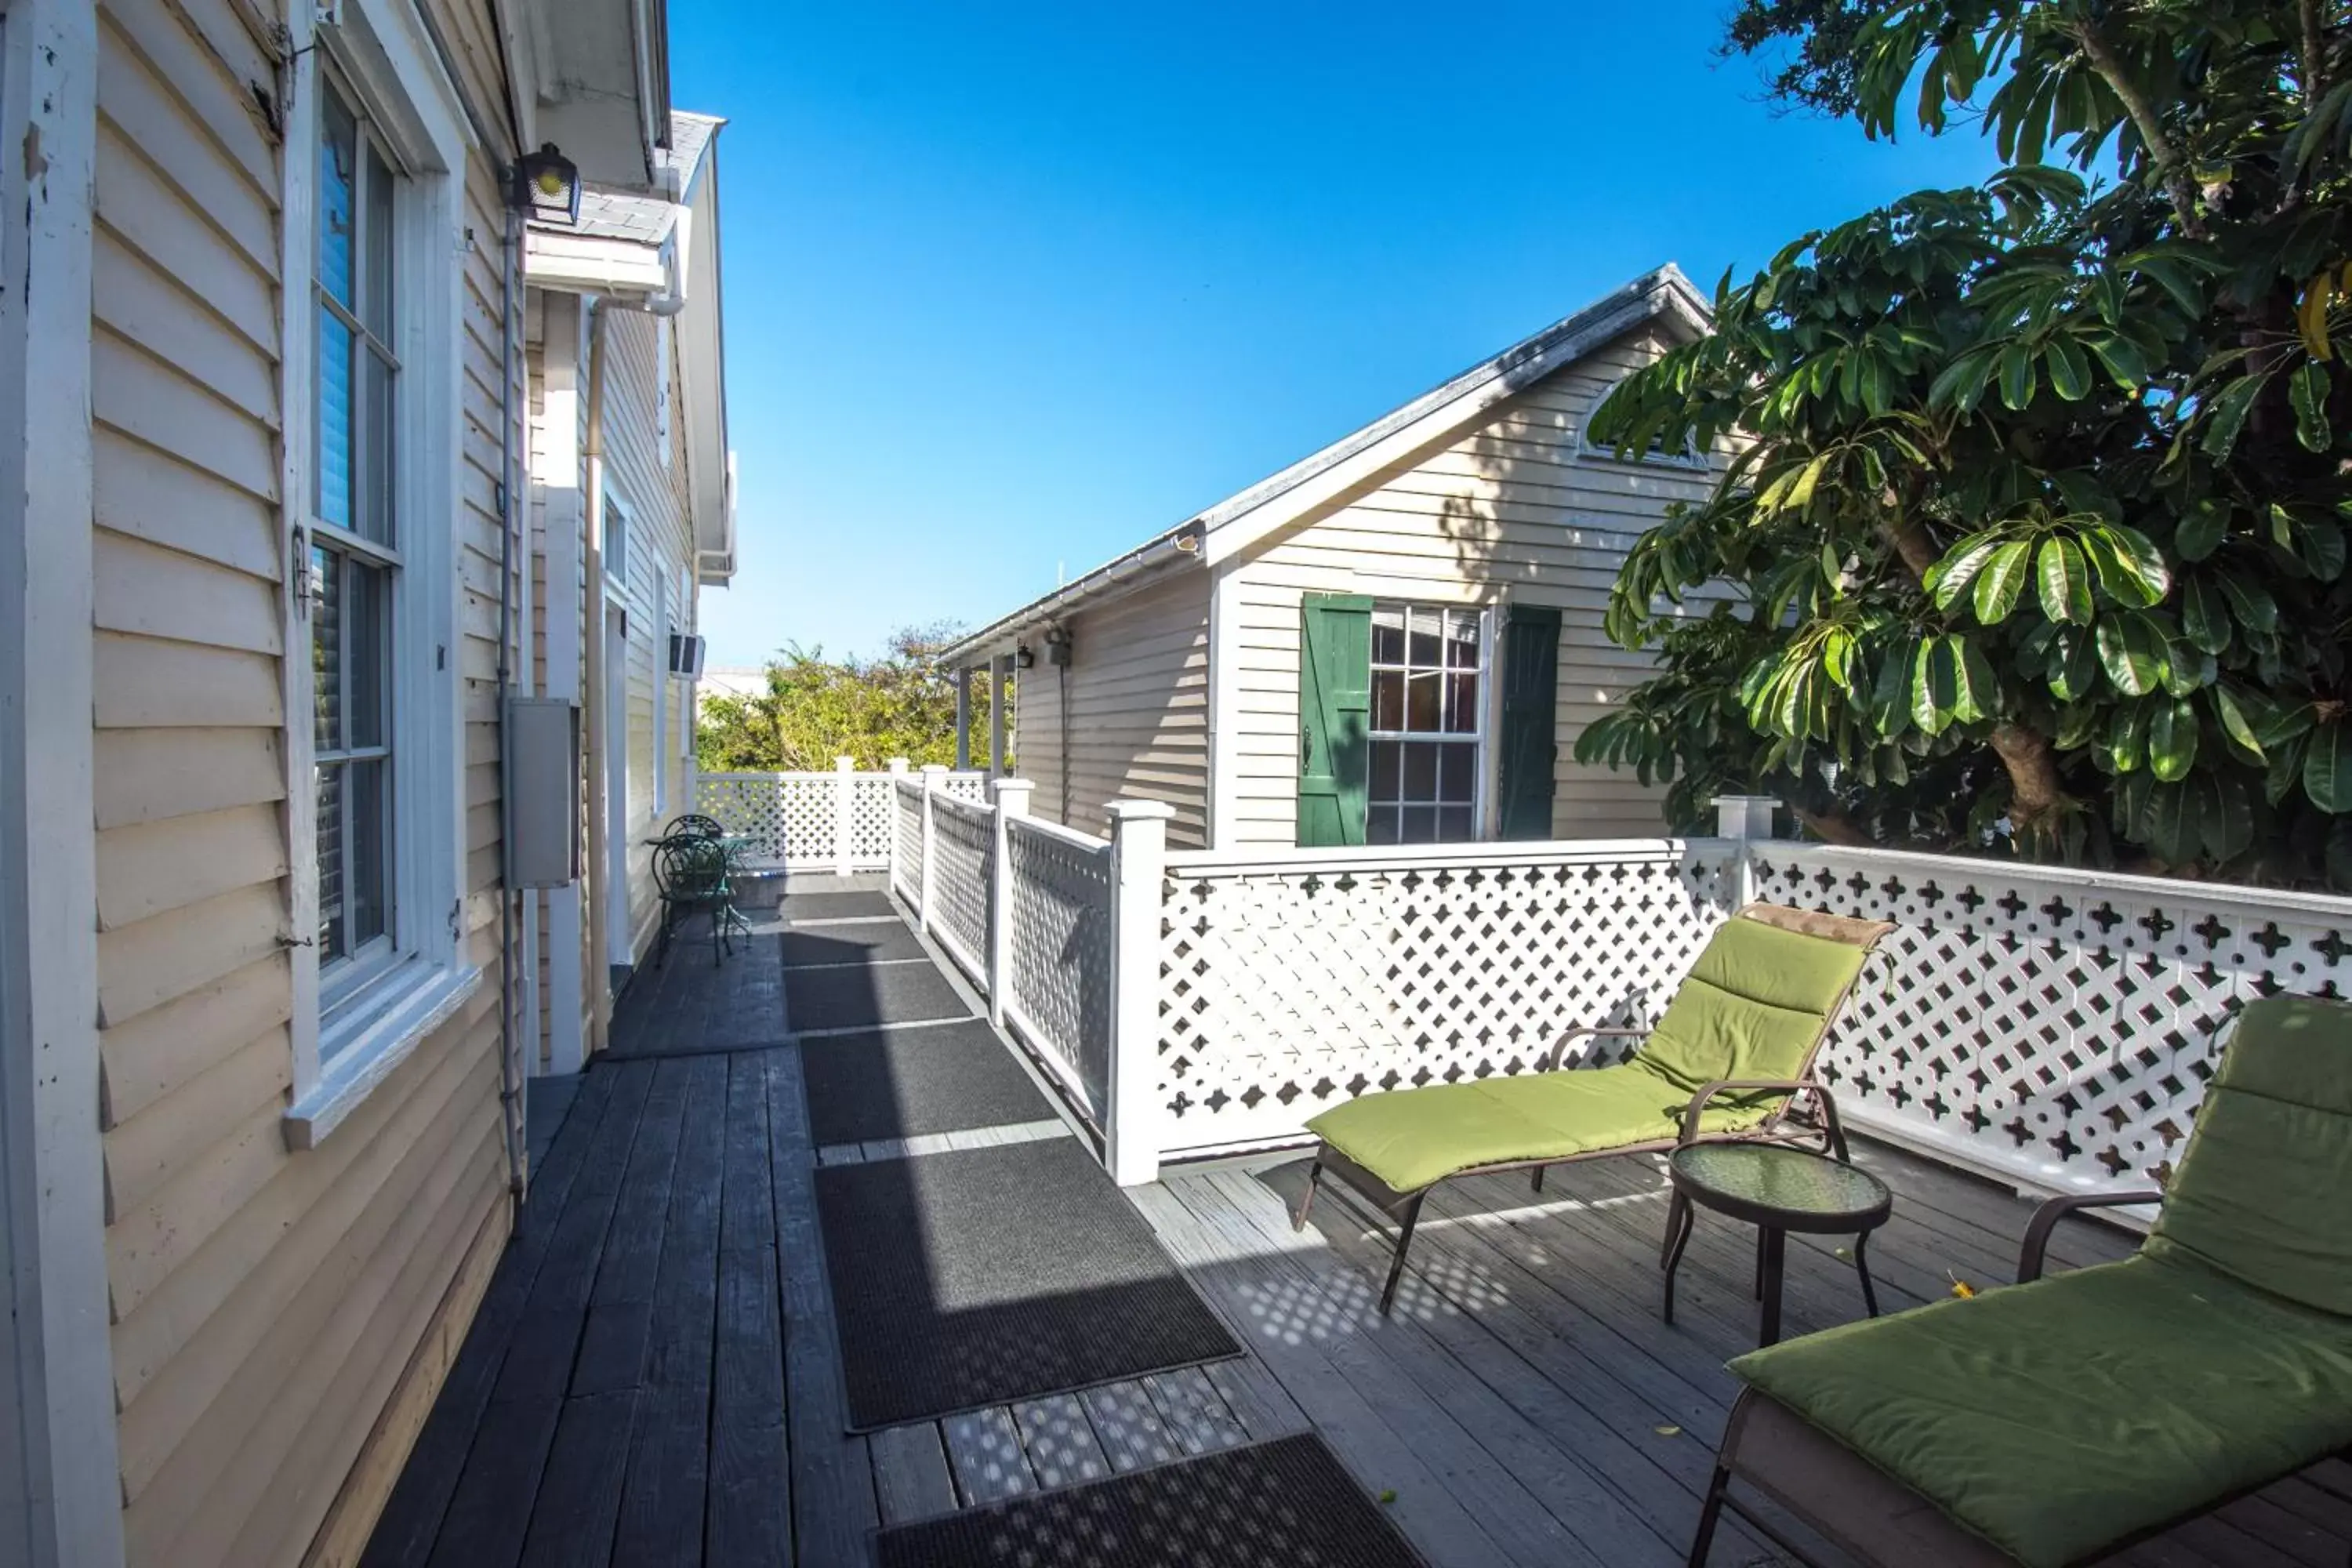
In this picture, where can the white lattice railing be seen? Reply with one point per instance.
(962, 859)
(907, 855)
(838, 821)
(1058, 953)
(1292, 982)
(2053, 1028)
(2049, 1028)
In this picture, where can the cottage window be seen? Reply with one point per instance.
(1428, 730)
(355, 544)
(1689, 456)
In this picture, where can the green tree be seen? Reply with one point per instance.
(901, 704)
(2034, 533)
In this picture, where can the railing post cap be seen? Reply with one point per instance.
(898, 765)
(845, 764)
(1011, 786)
(932, 768)
(1140, 811)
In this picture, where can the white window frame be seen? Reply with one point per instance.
(1600, 452)
(1482, 769)
(347, 1043)
(617, 507)
(662, 679)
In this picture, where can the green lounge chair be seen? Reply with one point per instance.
(2064, 1419)
(1735, 1046)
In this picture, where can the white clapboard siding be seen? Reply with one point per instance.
(1137, 719)
(1510, 508)
(266, 1305)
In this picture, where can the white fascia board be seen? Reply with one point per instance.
(584, 264)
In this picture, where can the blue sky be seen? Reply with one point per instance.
(1010, 288)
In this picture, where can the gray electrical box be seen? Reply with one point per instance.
(542, 791)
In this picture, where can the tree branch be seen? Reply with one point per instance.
(2315, 54)
(2169, 164)
(1831, 828)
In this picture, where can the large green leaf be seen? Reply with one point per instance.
(2327, 767)
(1935, 686)
(2069, 367)
(2132, 653)
(2131, 568)
(2172, 740)
(2319, 543)
(2173, 823)
(2228, 827)
(2252, 602)
(2074, 664)
(2200, 532)
(2002, 580)
(2225, 414)
(2065, 581)
(2017, 378)
(2231, 715)
(1948, 579)
(2307, 390)
(2204, 615)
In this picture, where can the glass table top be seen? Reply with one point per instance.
(1773, 1175)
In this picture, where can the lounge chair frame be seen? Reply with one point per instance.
(1403, 1208)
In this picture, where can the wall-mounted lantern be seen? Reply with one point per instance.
(547, 185)
(1025, 657)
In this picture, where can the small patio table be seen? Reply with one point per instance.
(1778, 1189)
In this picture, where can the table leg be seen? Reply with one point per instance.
(1677, 1238)
(1862, 1267)
(1774, 1243)
(1757, 1282)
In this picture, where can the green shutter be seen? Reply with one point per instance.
(1335, 708)
(1530, 718)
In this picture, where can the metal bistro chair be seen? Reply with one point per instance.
(691, 876)
(694, 824)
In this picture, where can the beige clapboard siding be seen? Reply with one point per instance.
(1509, 509)
(1138, 725)
(265, 1304)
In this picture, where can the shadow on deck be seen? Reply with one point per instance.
(654, 1378)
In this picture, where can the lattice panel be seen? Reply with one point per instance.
(870, 800)
(2053, 1026)
(1060, 958)
(745, 804)
(789, 815)
(1285, 992)
(969, 787)
(906, 859)
(963, 859)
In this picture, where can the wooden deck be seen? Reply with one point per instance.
(653, 1377)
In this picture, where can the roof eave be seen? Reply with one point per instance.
(1177, 548)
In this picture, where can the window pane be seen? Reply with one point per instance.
(366, 872)
(1453, 824)
(1388, 699)
(1421, 701)
(375, 287)
(1417, 824)
(1457, 773)
(1461, 704)
(335, 419)
(1381, 826)
(1387, 636)
(327, 647)
(330, 864)
(339, 136)
(375, 454)
(1462, 640)
(1386, 761)
(1422, 642)
(1421, 772)
(366, 613)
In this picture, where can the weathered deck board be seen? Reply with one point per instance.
(653, 1374)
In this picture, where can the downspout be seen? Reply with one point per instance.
(511, 1088)
(592, 452)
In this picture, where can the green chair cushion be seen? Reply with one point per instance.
(1413, 1137)
(2053, 1419)
(2285, 1091)
(1752, 1005)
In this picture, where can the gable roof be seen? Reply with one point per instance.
(615, 214)
(1437, 415)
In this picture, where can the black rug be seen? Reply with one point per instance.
(868, 998)
(1283, 1504)
(902, 1083)
(836, 907)
(868, 941)
(992, 1274)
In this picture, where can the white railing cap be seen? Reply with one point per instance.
(1140, 810)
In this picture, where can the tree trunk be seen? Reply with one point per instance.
(2036, 798)
(1831, 828)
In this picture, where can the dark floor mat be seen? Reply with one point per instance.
(992, 1274)
(867, 998)
(690, 1002)
(1283, 1504)
(868, 941)
(903, 1083)
(836, 907)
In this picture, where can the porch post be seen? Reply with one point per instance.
(844, 813)
(1139, 839)
(963, 719)
(1747, 821)
(1012, 801)
(934, 777)
(897, 769)
(1000, 676)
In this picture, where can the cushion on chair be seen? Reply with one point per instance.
(1752, 1007)
(2285, 1084)
(2053, 1419)
(1416, 1136)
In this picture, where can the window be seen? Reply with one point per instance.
(1429, 669)
(355, 544)
(616, 544)
(1688, 458)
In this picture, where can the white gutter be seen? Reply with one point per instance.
(1177, 546)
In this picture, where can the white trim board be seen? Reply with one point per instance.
(60, 1489)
